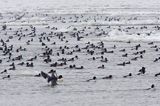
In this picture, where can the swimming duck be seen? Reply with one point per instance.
(108, 77)
(129, 75)
(94, 78)
(5, 71)
(8, 76)
(152, 87)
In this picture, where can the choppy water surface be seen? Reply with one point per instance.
(23, 89)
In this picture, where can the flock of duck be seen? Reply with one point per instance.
(62, 49)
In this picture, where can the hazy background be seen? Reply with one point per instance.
(74, 5)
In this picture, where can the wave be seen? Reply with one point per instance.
(116, 35)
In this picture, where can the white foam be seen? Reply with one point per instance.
(116, 35)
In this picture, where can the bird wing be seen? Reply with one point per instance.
(44, 75)
(52, 78)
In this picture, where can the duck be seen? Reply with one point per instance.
(72, 66)
(104, 60)
(50, 78)
(94, 78)
(157, 74)
(142, 71)
(38, 75)
(8, 76)
(128, 62)
(81, 67)
(134, 59)
(101, 67)
(12, 64)
(22, 63)
(129, 75)
(150, 43)
(152, 87)
(5, 71)
(125, 55)
(12, 68)
(121, 64)
(155, 60)
(107, 77)
(155, 46)
(122, 50)
(29, 65)
(60, 77)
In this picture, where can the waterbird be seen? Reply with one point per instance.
(129, 75)
(94, 78)
(152, 87)
(107, 77)
(53, 78)
(8, 76)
